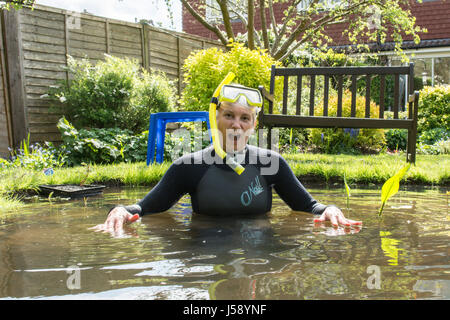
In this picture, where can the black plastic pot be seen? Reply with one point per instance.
(72, 190)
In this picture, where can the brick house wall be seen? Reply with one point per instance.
(431, 14)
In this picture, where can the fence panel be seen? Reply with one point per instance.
(5, 128)
(44, 59)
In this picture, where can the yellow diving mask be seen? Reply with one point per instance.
(239, 94)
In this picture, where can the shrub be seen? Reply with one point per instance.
(152, 93)
(401, 115)
(115, 93)
(339, 140)
(101, 146)
(434, 108)
(396, 139)
(205, 69)
(434, 135)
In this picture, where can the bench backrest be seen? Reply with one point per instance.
(339, 73)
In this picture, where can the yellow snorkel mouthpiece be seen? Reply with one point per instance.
(213, 124)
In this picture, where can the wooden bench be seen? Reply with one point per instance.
(273, 119)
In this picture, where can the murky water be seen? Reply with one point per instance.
(48, 252)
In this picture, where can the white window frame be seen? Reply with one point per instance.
(432, 53)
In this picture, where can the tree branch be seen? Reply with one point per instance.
(330, 16)
(293, 48)
(236, 11)
(205, 23)
(262, 12)
(251, 24)
(272, 17)
(226, 18)
(291, 13)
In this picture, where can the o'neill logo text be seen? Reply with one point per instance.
(253, 189)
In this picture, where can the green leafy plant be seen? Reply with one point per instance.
(291, 139)
(347, 190)
(391, 186)
(176, 145)
(17, 4)
(375, 89)
(107, 145)
(439, 147)
(152, 92)
(114, 93)
(396, 139)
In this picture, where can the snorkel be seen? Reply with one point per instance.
(215, 132)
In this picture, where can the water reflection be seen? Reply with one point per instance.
(180, 255)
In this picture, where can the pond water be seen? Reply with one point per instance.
(48, 251)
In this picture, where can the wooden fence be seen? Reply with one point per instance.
(5, 129)
(34, 46)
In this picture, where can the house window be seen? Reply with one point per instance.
(423, 68)
(434, 71)
(442, 70)
(431, 70)
(213, 12)
(322, 5)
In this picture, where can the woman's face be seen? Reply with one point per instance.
(235, 123)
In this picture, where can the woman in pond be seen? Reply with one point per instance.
(236, 180)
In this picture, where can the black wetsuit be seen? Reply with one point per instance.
(215, 189)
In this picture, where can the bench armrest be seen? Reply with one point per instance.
(413, 96)
(265, 93)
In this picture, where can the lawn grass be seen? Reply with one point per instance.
(430, 170)
(9, 203)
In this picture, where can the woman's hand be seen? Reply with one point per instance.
(116, 220)
(336, 217)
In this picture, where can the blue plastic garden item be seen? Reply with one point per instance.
(157, 130)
